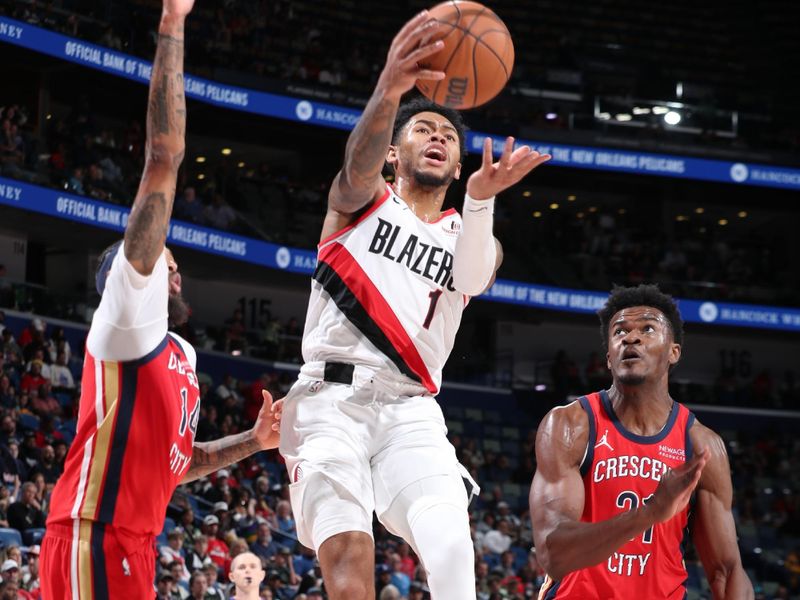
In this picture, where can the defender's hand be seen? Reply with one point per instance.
(493, 178)
(268, 424)
(675, 488)
(410, 46)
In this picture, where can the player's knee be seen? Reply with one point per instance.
(343, 587)
(449, 526)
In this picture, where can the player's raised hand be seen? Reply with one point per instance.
(676, 487)
(494, 177)
(268, 423)
(177, 8)
(410, 46)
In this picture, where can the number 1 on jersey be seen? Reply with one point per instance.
(434, 296)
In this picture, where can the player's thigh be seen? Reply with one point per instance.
(414, 447)
(54, 567)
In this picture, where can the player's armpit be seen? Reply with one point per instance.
(714, 531)
(564, 543)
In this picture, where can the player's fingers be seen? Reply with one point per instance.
(505, 157)
(267, 399)
(421, 53)
(519, 154)
(428, 74)
(418, 37)
(410, 26)
(486, 162)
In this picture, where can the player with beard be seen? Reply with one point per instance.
(362, 431)
(139, 403)
(624, 476)
(246, 575)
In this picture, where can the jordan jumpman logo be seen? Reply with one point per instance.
(604, 442)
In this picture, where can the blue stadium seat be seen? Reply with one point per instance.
(10, 536)
(33, 536)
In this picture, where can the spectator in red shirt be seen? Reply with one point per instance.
(33, 379)
(217, 549)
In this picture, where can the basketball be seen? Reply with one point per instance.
(477, 57)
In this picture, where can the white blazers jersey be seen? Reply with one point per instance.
(383, 295)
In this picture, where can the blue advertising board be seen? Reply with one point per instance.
(329, 115)
(78, 209)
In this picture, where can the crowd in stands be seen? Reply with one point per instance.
(246, 507)
(571, 48)
(588, 247)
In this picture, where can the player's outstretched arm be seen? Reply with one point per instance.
(360, 182)
(208, 457)
(478, 254)
(714, 530)
(564, 543)
(146, 232)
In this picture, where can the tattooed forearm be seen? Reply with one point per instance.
(365, 154)
(166, 128)
(208, 457)
(147, 229)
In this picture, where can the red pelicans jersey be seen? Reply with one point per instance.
(621, 471)
(383, 293)
(136, 427)
(138, 413)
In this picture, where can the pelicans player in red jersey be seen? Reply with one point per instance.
(139, 401)
(626, 476)
(361, 430)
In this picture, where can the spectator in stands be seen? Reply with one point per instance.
(48, 467)
(498, 540)
(8, 395)
(172, 553)
(26, 513)
(383, 577)
(264, 547)
(190, 530)
(215, 590)
(165, 584)
(188, 207)
(235, 331)
(198, 584)
(399, 578)
(197, 558)
(284, 522)
(219, 214)
(176, 569)
(217, 548)
(33, 379)
(30, 572)
(60, 375)
(44, 403)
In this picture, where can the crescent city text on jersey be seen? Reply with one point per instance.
(178, 460)
(429, 261)
(629, 466)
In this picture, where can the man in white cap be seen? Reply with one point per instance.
(11, 573)
(217, 549)
(30, 572)
(246, 574)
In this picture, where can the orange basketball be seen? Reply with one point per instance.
(477, 57)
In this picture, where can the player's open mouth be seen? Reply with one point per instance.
(630, 356)
(435, 155)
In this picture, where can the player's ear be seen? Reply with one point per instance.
(457, 173)
(608, 361)
(674, 354)
(391, 156)
(261, 575)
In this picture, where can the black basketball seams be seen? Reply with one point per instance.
(461, 41)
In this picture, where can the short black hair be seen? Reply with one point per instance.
(422, 104)
(641, 295)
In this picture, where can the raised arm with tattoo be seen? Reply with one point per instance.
(146, 232)
(360, 182)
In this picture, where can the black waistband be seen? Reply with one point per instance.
(338, 373)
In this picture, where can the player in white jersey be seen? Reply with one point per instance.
(361, 430)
